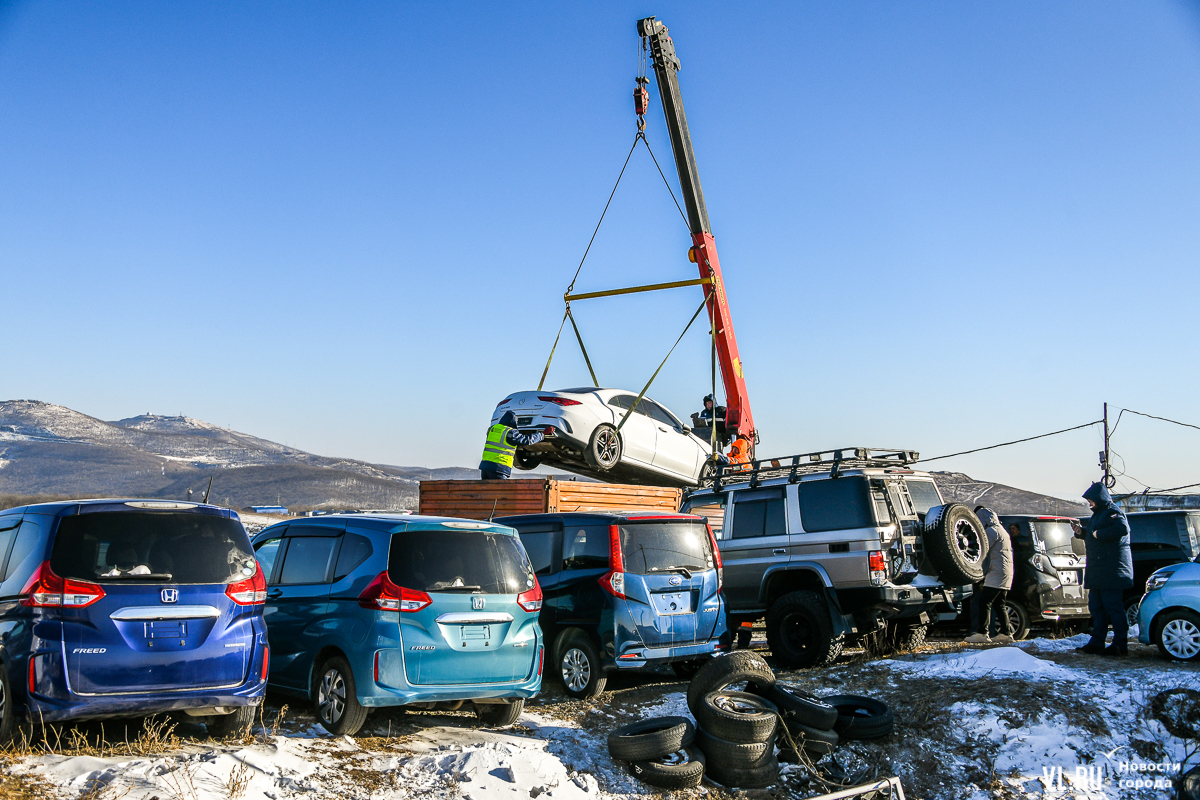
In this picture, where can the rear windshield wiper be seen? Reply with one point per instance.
(455, 588)
(686, 569)
(136, 576)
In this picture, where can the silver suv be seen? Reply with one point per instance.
(839, 546)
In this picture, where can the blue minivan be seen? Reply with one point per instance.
(129, 607)
(371, 610)
(625, 591)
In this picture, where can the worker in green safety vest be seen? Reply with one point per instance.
(503, 439)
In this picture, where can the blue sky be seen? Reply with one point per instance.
(348, 227)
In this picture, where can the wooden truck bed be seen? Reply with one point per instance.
(477, 499)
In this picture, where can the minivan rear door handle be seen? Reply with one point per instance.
(274, 594)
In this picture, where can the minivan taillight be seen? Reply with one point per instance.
(45, 589)
(532, 599)
(383, 595)
(613, 581)
(716, 556)
(251, 591)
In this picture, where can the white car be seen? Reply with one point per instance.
(580, 428)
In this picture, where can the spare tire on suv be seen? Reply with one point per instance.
(955, 545)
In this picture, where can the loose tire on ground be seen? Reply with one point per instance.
(799, 706)
(814, 740)
(743, 755)
(743, 666)
(334, 696)
(737, 716)
(578, 665)
(651, 739)
(1018, 619)
(603, 450)
(800, 631)
(861, 717)
(500, 715)
(955, 544)
(225, 725)
(756, 777)
(682, 770)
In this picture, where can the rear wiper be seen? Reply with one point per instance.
(458, 588)
(133, 576)
(686, 569)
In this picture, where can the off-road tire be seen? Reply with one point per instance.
(221, 726)
(737, 716)
(723, 671)
(577, 663)
(335, 699)
(1018, 619)
(894, 637)
(799, 706)
(758, 777)
(651, 739)
(8, 718)
(955, 545)
(500, 715)
(524, 460)
(800, 631)
(743, 755)
(861, 717)
(814, 740)
(1175, 633)
(672, 772)
(603, 451)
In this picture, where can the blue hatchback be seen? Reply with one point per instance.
(370, 610)
(129, 607)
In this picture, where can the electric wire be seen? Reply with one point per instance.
(1151, 416)
(1006, 444)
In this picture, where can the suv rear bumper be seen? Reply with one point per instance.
(638, 657)
(898, 602)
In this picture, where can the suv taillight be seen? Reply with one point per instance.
(532, 599)
(560, 401)
(251, 591)
(716, 556)
(45, 589)
(613, 581)
(383, 595)
(877, 565)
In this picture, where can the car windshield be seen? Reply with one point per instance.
(459, 561)
(144, 546)
(1059, 537)
(924, 496)
(651, 547)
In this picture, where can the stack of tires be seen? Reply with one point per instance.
(660, 752)
(736, 729)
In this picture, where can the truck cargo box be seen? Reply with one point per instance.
(476, 499)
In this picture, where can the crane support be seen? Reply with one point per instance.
(704, 249)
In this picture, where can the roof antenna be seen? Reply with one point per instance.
(493, 514)
(209, 489)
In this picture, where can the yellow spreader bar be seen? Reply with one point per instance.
(633, 289)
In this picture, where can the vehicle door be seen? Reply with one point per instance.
(838, 524)
(756, 540)
(639, 435)
(671, 583)
(149, 610)
(12, 627)
(580, 601)
(298, 596)
(543, 543)
(675, 450)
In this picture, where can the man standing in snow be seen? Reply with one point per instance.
(501, 447)
(1108, 572)
(996, 581)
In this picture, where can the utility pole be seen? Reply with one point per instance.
(1109, 481)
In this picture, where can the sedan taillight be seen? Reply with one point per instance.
(560, 401)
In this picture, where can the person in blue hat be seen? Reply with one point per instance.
(1108, 573)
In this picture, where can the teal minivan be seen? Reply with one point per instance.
(371, 610)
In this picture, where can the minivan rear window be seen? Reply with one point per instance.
(650, 547)
(459, 561)
(1059, 537)
(130, 546)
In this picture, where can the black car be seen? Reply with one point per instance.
(1159, 539)
(1048, 576)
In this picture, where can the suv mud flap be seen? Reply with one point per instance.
(843, 623)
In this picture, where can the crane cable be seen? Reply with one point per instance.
(646, 388)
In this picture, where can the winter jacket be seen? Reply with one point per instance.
(513, 437)
(1109, 560)
(999, 562)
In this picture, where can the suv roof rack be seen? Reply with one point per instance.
(792, 467)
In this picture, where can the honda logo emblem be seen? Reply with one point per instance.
(170, 595)
(478, 602)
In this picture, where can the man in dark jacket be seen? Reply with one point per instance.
(501, 447)
(1108, 573)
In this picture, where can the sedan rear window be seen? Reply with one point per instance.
(151, 547)
(459, 561)
(650, 547)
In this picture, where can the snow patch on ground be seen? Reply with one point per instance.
(977, 663)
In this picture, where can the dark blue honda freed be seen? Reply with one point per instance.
(129, 607)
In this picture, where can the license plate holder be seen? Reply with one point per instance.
(474, 637)
(669, 604)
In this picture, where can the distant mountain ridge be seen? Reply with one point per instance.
(52, 449)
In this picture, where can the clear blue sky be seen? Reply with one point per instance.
(348, 227)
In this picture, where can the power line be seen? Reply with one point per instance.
(1006, 444)
(1162, 419)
